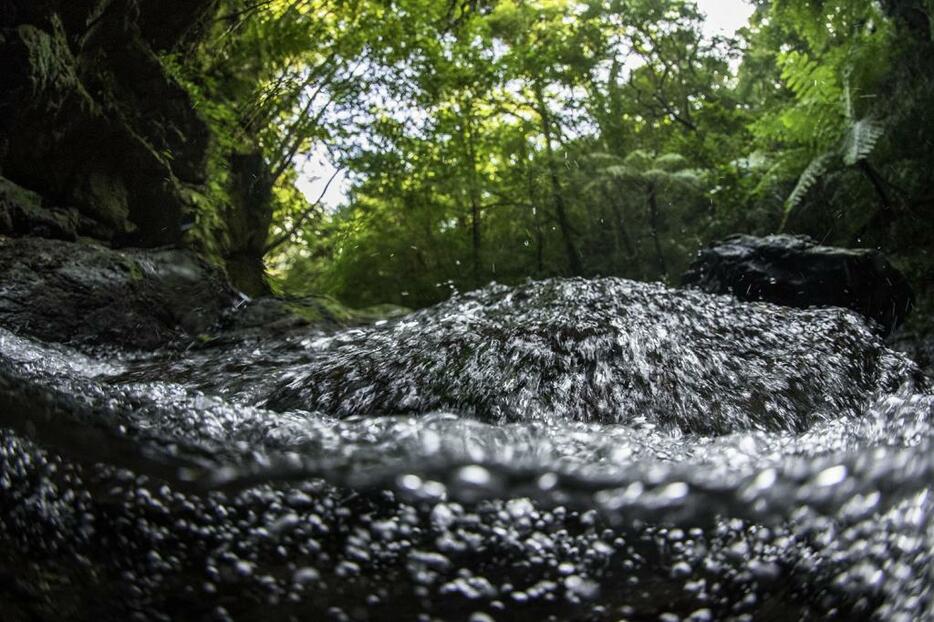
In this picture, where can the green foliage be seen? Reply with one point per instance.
(817, 167)
(860, 140)
(208, 233)
(505, 139)
(477, 166)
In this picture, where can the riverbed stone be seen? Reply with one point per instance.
(609, 351)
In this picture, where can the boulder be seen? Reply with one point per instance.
(85, 293)
(796, 271)
(918, 343)
(606, 351)
(22, 213)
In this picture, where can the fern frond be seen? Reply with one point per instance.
(809, 177)
(797, 72)
(860, 140)
(620, 171)
(639, 159)
(601, 156)
(671, 161)
(688, 179)
(656, 176)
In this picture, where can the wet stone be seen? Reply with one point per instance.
(606, 351)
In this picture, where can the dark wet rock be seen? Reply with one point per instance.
(77, 292)
(90, 125)
(22, 213)
(798, 272)
(265, 313)
(918, 344)
(608, 351)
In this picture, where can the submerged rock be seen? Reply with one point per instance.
(798, 272)
(607, 351)
(918, 344)
(77, 292)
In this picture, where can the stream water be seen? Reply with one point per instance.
(568, 449)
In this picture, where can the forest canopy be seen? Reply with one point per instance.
(500, 140)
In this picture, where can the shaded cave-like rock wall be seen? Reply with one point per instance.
(109, 145)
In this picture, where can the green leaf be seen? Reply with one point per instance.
(860, 140)
(809, 177)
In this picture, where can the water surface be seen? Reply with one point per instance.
(578, 449)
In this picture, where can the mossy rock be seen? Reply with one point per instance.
(86, 293)
(50, 68)
(22, 213)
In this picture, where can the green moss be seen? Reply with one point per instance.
(17, 195)
(136, 272)
(52, 65)
(381, 312)
(316, 309)
(319, 308)
(308, 312)
(107, 196)
(207, 234)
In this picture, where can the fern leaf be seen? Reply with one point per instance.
(860, 140)
(687, 178)
(671, 161)
(620, 171)
(601, 156)
(639, 159)
(809, 177)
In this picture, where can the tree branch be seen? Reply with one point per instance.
(305, 215)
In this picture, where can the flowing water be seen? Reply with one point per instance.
(569, 449)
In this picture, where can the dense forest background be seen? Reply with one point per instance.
(499, 140)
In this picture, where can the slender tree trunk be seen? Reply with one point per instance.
(539, 247)
(536, 215)
(475, 240)
(653, 226)
(885, 214)
(539, 232)
(574, 261)
(473, 195)
(622, 232)
(878, 184)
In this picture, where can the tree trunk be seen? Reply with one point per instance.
(622, 232)
(536, 215)
(884, 215)
(574, 261)
(248, 221)
(473, 194)
(653, 225)
(878, 184)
